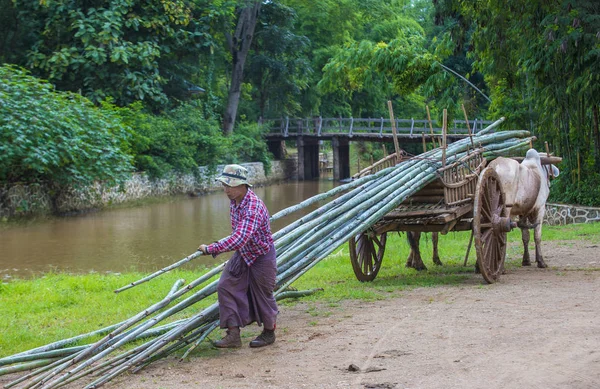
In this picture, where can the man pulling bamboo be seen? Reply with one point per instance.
(245, 289)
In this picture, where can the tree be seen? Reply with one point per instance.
(403, 63)
(239, 43)
(127, 49)
(278, 68)
(541, 61)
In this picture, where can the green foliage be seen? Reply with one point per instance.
(178, 140)
(61, 138)
(128, 50)
(247, 144)
(182, 139)
(278, 68)
(56, 137)
(571, 190)
(402, 64)
(543, 71)
(333, 26)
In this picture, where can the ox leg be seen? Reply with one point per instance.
(414, 259)
(537, 236)
(525, 238)
(436, 256)
(410, 239)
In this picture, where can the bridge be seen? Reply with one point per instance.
(309, 132)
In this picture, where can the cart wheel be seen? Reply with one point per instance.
(491, 222)
(366, 254)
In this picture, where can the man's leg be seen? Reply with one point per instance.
(233, 301)
(262, 302)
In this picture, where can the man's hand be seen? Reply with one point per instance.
(203, 249)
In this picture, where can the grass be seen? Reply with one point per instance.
(57, 306)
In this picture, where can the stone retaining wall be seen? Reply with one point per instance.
(35, 199)
(560, 214)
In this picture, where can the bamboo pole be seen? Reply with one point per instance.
(330, 193)
(468, 125)
(444, 129)
(26, 366)
(492, 126)
(34, 373)
(332, 244)
(176, 286)
(62, 343)
(90, 355)
(317, 217)
(405, 166)
(42, 355)
(182, 342)
(149, 333)
(430, 126)
(199, 340)
(106, 365)
(393, 122)
(313, 232)
(161, 271)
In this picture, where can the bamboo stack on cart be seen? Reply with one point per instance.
(300, 246)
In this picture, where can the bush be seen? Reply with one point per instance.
(182, 139)
(179, 140)
(57, 137)
(566, 190)
(62, 139)
(248, 145)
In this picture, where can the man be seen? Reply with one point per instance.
(245, 289)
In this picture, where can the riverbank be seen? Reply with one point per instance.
(57, 306)
(35, 200)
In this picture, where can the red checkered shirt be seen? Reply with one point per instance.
(251, 228)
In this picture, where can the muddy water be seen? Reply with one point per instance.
(143, 238)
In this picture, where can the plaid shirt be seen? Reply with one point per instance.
(251, 230)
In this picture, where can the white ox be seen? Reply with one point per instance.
(526, 187)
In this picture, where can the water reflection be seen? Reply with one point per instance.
(144, 238)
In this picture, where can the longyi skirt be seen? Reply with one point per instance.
(246, 292)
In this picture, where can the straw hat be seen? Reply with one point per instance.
(234, 175)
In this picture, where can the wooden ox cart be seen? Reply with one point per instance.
(464, 196)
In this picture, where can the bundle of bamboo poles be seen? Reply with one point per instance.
(300, 246)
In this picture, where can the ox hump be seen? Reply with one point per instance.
(532, 160)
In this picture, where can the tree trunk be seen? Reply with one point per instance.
(596, 136)
(239, 45)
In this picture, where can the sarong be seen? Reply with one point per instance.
(246, 292)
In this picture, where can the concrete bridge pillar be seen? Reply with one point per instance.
(341, 158)
(277, 148)
(308, 158)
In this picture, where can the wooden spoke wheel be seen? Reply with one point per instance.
(491, 222)
(366, 254)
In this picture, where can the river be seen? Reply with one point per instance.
(143, 238)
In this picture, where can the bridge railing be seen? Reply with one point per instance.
(351, 126)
